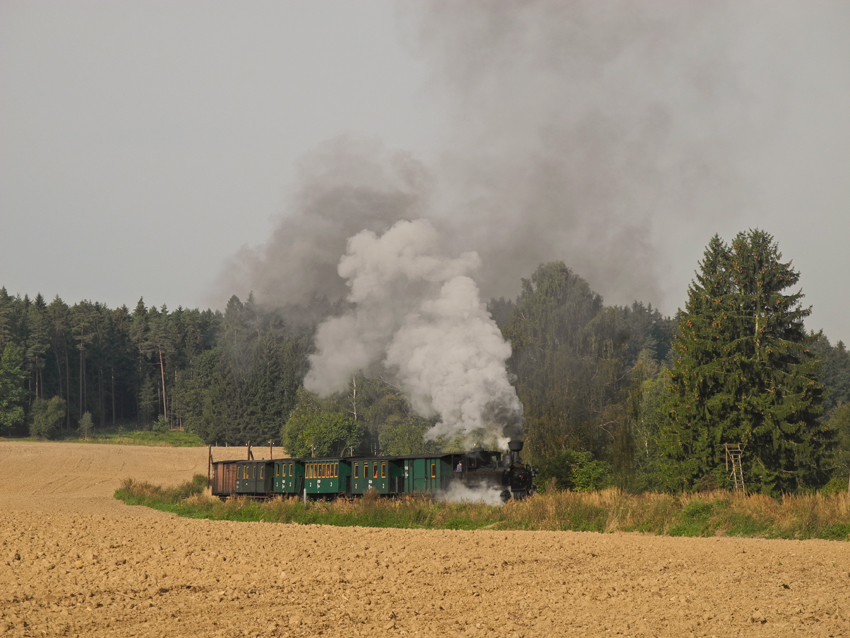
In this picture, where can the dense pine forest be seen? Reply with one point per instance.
(612, 395)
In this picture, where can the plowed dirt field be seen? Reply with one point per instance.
(75, 562)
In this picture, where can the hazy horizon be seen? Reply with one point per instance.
(184, 152)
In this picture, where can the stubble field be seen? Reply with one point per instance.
(76, 562)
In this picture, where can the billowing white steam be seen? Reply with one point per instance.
(417, 313)
(460, 493)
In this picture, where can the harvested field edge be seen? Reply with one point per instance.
(708, 514)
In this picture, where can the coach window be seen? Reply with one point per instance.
(262, 472)
(357, 470)
(336, 470)
(375, 469)
(290, 470)
(433, 470)
(383, 469)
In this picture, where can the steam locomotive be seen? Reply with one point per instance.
(348, 476)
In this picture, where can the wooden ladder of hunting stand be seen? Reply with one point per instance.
(733, 457)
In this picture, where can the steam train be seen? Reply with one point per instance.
(351, 476)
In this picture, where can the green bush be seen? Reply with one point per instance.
(46, 417)
(573, 470)
(160, 426)
(86, 426)
(835, 485)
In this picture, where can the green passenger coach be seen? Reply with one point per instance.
(427, 474)
(326, 477)
(254, 478)
(288, 477)
(382, 474)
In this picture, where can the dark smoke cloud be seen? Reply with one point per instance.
(583, 130)
(346, 186)
(587, 132)
(597, 133)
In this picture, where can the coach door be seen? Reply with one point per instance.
(415, 475)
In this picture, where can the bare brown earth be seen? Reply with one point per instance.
(75, 562)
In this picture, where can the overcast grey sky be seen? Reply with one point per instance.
(144, 144)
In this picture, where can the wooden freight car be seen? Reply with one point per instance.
(223, 478)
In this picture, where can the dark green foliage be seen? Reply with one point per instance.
(648, 393)
(580, 367)
(573, 470)
(231, 379)
(834, 372)
(385, 419)
(743, 373)
(313, 432)
(46, 416)
(839, 422)
(244, 388)
(836, 485)
(403, 436)
(12, 391)
(160, 426)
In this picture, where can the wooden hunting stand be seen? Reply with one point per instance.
(733, 458)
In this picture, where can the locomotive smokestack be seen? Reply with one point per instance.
(515, 446)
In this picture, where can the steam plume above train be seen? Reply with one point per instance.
(417, 314)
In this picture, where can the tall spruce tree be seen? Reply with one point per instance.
(743, 373)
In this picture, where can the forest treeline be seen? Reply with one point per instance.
(613, 395)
